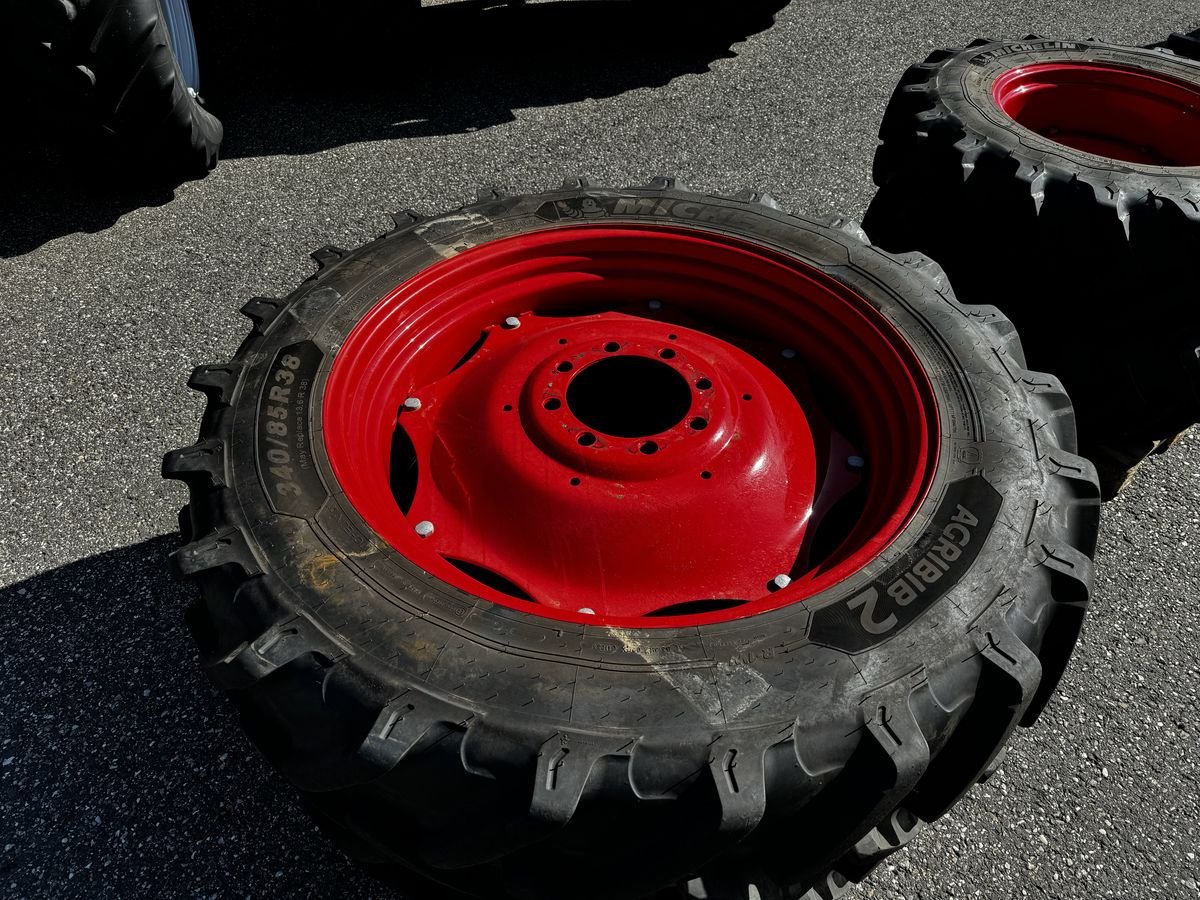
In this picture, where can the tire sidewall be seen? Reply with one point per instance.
(965, 85)
(339, 572)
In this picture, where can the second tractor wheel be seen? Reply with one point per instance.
(1060, 181)
(601, 543)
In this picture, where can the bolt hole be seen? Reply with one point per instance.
(508, 407)
(648, 447)
(562, 340)
(703, 384)
(564, 366)
(586, 439)
(612, 347)
(747, 397)
(672, 337)
(667, 353)
(552, 404)
(698, 423)
(706, 474)
(576, 482)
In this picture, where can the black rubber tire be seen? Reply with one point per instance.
(1186, 44)
(422, 724)
(106, 67)
(1092, 258)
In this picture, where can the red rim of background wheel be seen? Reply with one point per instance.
(1119, 112)
(631, 425)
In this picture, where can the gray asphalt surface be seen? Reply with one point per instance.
(122, 773)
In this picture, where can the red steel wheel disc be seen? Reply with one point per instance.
(631, 425)
(1108, 110)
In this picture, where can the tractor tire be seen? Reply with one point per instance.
(1077, 213)
(125, 73)
(495, 524)
(1186, 44)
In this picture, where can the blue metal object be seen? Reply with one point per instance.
(178, 20)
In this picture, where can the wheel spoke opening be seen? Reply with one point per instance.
(404, 469)
(489, 578)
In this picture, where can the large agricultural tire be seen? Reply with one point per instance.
(123, 74)
(530, 722)
(1060, 181)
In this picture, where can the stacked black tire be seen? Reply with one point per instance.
(1093, 258)
(105, 73)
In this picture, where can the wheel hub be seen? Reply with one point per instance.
(656, 465)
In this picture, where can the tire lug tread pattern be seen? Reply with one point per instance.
(327, 256)
(562, 775)
(489, 192)
(738, 772)
(262, 311)
(204, 461)
(1140, 232)
(405, 219)
(224, 547)
(846, 225)
(762, 198)
(665, 183)
(279, 645)
(215, 381)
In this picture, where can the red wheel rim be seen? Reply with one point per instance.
(1112, 111)
(636, 426)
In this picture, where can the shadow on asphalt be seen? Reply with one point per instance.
(304, 76)
(122, 772)
(452, 68)
(47, 191)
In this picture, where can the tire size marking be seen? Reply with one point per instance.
(285, 464)
(937, 561)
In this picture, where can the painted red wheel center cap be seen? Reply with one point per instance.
(633, 465)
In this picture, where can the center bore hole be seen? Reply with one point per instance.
(629, 396)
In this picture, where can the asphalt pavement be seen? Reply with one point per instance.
(123, 774)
